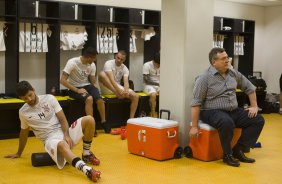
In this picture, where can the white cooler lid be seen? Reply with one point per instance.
(153, 122)
(204, 126)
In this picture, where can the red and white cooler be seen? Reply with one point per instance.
(153, 138)
(207, 146)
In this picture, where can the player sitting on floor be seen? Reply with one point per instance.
(44, 115)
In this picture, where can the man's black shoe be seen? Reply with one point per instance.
(106, 127)
(242, 157)
(230, 160)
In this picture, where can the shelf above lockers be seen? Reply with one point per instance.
(152, 18)
(68, 11)
(106, 14)
(99, 14)
(53, 10)
(8, 10)
(244, 26)
(144, 17)
(136, 16)
(77, 12)
(48, 10)
(240, 26)
(42, 10)
(121, 15)
(27, 8)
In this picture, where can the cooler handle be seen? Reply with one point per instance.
(139, 135)
(169, 134)
(167, 111)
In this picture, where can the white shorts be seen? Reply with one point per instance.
(107, 91)
(149, 89)
(52, 141)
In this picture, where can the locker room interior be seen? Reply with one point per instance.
(186, 38)
(182, 64)
(263, 23)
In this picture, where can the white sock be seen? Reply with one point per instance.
(82, 166)
(86, 148)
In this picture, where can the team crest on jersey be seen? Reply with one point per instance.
(46, 108)
(83, 73)
(88, 70)
(73, 125)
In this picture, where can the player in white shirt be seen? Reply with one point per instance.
(110, 80)
(151, 78)
(79, 76)
(44, 115)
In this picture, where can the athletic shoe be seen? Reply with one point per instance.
(91, 159)
(123, 133)
(93, 175)
(115, 131)
(106, 127)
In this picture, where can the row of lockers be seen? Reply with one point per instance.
(54, 10)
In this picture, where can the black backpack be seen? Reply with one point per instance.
(259, 83)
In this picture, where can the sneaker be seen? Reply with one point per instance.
(115, 131)
(93, 175)
(91, 159)
(123, 133)
(106, 127)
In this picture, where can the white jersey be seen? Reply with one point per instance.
(78, 72)
(118, 71)
(33, 37)
(148, 33)
(107, 40)
(2, 42)
(154, 73)
(42, 117)
(132, 42)
(73, 37)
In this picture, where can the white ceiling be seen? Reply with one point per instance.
(259, 2)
